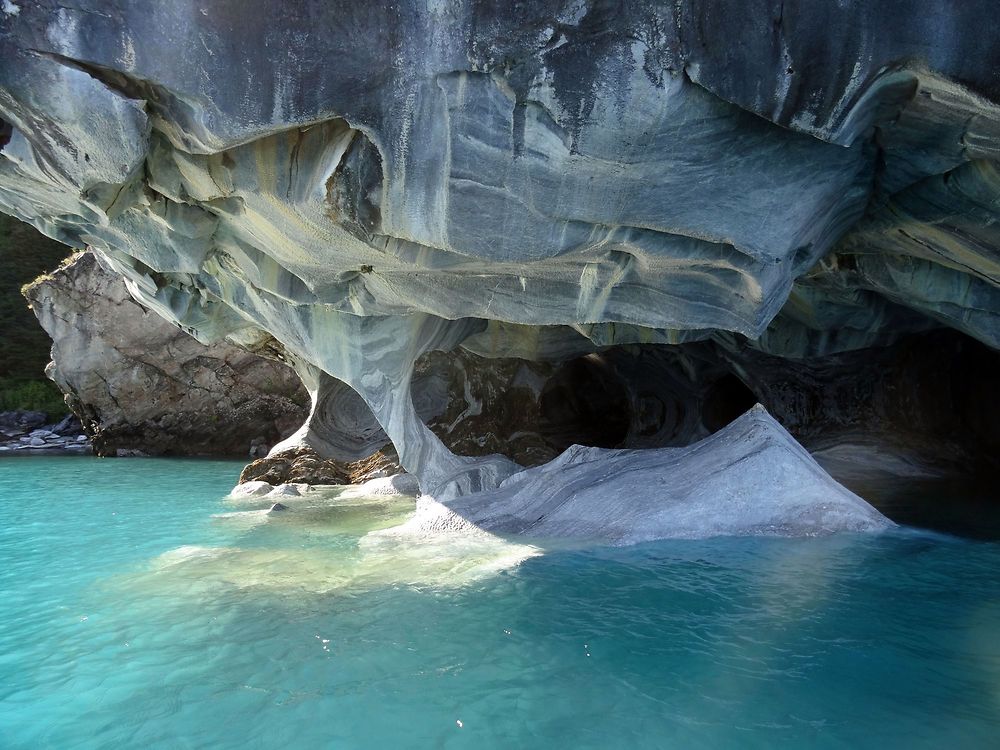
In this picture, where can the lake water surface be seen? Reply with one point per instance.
(139, 609)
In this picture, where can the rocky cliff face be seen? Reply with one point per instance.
(140, 385)
(367, 183)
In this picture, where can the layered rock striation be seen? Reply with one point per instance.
(751, 478)
(367, 183)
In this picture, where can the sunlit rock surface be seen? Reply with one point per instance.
(367, 183)
(751, 478)
(139, 385)
(323, 519)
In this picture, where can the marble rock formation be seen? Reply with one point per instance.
(141, 386)
(365, 183)
(751, 478)
(475, 406)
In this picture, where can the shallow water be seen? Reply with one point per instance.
(138, 609)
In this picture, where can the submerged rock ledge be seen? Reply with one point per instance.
(751, 478)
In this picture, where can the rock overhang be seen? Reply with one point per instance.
(367, 183)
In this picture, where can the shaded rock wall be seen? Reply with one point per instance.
(141, 385)
(367, 183)
(475, 406)
(926, 396)
(138, 384)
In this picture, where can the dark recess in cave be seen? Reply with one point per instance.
(932, 393)
(929, 399)
(727, 399)
(974, 393)
(354, 190)
(586, 403)
(652, 413)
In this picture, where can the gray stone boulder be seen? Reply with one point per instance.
(138, 383)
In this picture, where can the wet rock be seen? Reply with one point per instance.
(289, 490)
(15, 440)
(405, 484)
(70, 425)
(251, 489)
(751, 478)
(277, 508)
(304, 465)
(130, 453)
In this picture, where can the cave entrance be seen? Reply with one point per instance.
(585, 402)
(726, 400)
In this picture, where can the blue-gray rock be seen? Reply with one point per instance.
(750, 478)
(367, 182)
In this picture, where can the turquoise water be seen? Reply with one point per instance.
(130, 617)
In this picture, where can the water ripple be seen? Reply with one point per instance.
(131, 617)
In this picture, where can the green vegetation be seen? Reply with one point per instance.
(33, 395)
(25, 254)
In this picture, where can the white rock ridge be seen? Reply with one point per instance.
(751, 478)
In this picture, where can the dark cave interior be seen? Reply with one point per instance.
(914, 427)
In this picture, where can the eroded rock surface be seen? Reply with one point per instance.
(750, 478)
(368, 183)
(141, 386)
(304, 465)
